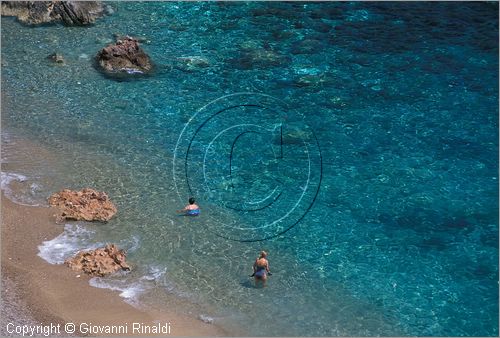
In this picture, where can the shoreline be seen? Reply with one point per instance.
(53, 294)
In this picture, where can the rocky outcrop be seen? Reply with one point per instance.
(99, 262)
(72, 13)
(87, 205)
(125, 57)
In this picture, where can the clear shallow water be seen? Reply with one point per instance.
(402, 98)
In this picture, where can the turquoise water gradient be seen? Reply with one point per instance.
(391, 109)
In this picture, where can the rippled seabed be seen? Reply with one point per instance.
(402, 238)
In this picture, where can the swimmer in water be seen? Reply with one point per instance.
(261, 269)
(192, 209)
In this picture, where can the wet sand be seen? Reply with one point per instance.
(36, 292)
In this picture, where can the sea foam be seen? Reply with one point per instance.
(130, 287)
(27, 194)
(74, 238)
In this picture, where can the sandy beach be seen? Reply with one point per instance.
(37, 293)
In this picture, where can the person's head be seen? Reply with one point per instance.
(263, 254)
(191, 200)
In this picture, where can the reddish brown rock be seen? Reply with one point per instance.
(124, 57)
(99, 262)
(87, 205)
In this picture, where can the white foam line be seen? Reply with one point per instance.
(73, 239)
(130, 289)
(7, 178)
(5, 181)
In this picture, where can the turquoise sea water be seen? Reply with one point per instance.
(356, 142)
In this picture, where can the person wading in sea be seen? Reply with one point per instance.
(261, 269)
(192, 209)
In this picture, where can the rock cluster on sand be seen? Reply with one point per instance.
(87, 204)
(124, 57)
(99, 262)
(69, 12)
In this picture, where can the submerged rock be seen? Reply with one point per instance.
(103, 40)
(56, 57)
(69, 12)
(192, 63)
(255, 56)
(87, 205)
(99, 262)
(297, 136)
(306, 46)
(125, 57)
(311, 80)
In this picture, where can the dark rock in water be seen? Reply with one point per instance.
(282, 34)
(277, 9)
(56, 57)
(79, 12)
(125, 57)
(490, 239)
(306, 46)
(321, 27)
(483, 270)
(436, 243)
(283, 83)
(456, 223)
(298, 25)
(251, 57)
(72, 13)
(311, 80)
